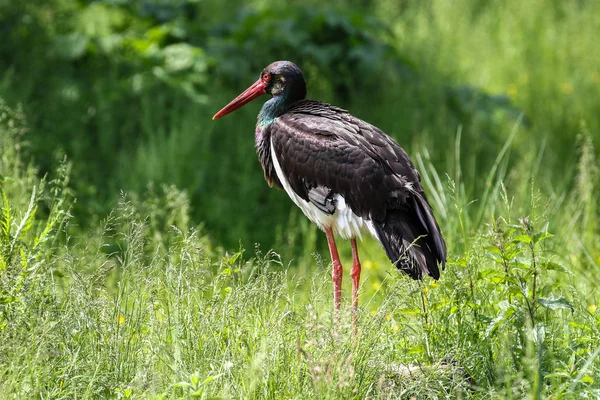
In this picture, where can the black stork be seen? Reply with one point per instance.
(346, 175)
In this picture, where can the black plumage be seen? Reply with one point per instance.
(322, 147)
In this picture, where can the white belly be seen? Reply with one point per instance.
(343, 221)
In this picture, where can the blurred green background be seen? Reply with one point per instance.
(126, 90)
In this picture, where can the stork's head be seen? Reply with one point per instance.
(281, 78)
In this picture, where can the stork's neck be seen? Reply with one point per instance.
(272, 109)
(277, 105)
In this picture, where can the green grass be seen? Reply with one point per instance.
(184, 291)
(143, 306)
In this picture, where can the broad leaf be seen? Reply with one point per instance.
(505, 312)
(538, 237)
(555, 303)
(522, 239)
(552, 266)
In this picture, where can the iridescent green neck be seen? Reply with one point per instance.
(272, 108)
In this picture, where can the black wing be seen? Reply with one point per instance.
(323, 150)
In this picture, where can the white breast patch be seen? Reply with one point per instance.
(343, 221)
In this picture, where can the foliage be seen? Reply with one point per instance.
(340, 52)
(123, 272)
(124, 88)
(140, 305)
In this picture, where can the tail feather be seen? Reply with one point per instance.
(411, 238)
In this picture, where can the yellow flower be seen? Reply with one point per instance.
(121, 319)
(373, 312)
(396, 328)
(388, 317)
(592, 308)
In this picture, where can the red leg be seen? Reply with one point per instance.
(337, 269)
(355, 274)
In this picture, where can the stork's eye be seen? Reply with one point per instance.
(266, 77)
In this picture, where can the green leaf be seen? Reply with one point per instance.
(49, 225)
(493, 325)
(489, 273)
(514, 289)
(232, 259)
(522, 239)
(505, 312)
(410, 310)
(210, 379)
(552, 266)
(183, 384)
(195, 379)
(27, 220)
(555, 303)
(5, 218)
(511, 254)
(7, 299)
(493, 249)
(418, 349)
(538, 237)
(579, 326)
(557, 375)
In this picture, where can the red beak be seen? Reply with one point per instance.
(257, 89)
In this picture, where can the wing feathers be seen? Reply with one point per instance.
(322, 198)
(324, 151)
